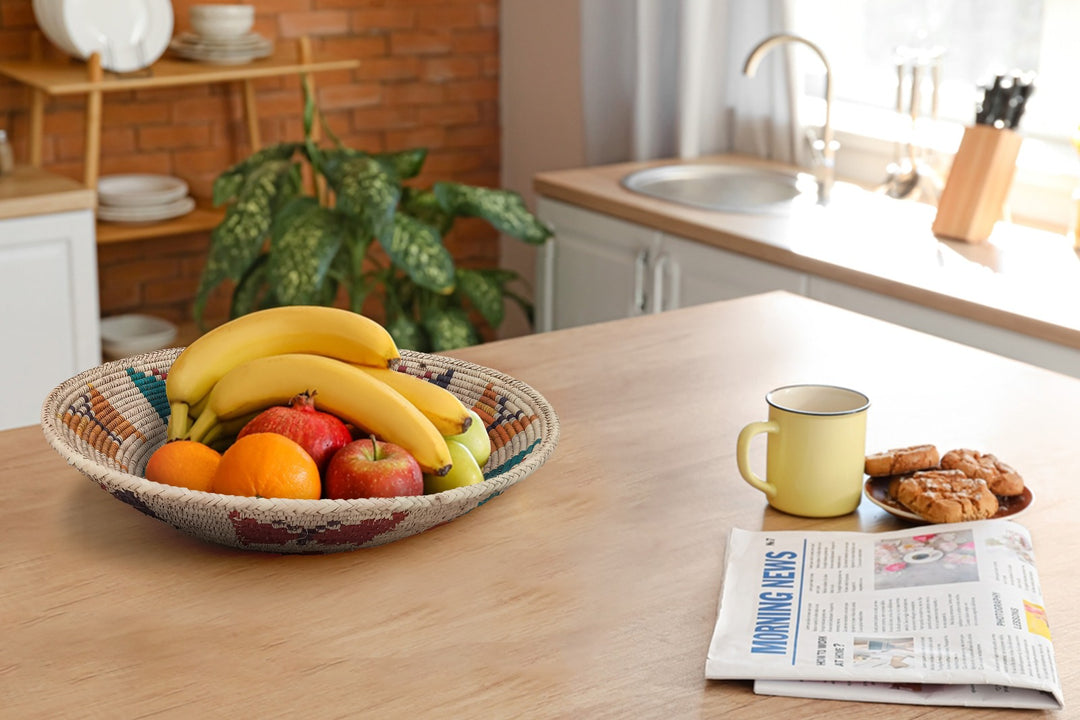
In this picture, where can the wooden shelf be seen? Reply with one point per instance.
(200, 219)
(72, 78)
(75, 77)
(68, 77)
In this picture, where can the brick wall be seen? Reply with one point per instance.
(428, 77)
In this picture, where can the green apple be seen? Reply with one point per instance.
(475, 438)
(464, 471)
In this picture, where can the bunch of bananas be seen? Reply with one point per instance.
(266, 358)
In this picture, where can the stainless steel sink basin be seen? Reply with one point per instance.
(725, 187)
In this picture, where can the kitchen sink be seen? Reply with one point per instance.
(725, 187)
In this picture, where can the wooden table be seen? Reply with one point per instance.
(588, 590)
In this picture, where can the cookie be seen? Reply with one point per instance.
(1000, 478)
(946, 496)
(894, 485)
(902, 460)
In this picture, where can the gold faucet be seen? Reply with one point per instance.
(824, 148)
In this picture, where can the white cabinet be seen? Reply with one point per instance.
(951, 327)
(688, 273)
(598, 268)
(49, 295)
(595, 268)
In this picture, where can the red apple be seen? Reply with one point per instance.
(372, 468)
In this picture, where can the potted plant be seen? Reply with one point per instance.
(292, 236)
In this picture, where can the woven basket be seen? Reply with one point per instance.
(107, 422)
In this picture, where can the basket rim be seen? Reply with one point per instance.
(56, 435)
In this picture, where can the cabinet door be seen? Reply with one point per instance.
(686, 273)
(48, 289)
(594, 268)
(951, 327)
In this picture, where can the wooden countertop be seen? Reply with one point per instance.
(587, 590)
(1022, 279)
(32, 191)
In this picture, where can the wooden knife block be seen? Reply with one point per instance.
(978, 184)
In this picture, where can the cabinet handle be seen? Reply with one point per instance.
(641, 266)
(659, 273)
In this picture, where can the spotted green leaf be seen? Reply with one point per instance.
(524, 303)
(229, 183)
(349, 265)
(504, 209)
(304, 239)
(417, 249)
(485, 293)
(409, 334)
(333, 158)
(425, 207)
(404, 164)
(449, 328)
(237, 241)
(364, 189)
(251, 289)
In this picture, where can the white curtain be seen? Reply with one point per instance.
(663, 78)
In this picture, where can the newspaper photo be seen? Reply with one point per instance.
(932, 615)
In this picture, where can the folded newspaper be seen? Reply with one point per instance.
(934, 615)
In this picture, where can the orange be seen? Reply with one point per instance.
(267, 465)
(184, 463)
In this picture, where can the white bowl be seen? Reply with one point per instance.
(140, 190)
(222, 21)
(223, 9)
(126, 335)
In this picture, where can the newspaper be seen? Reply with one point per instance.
(933, 615)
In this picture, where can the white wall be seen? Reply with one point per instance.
(541, 108)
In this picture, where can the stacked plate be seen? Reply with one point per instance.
(129, 34)
(221, 50)
(221, 35)
(133, 334)
(142, 198)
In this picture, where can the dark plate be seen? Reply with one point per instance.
(877, 491)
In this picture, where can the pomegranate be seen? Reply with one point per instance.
(320, 433)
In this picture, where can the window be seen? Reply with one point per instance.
(972, 40)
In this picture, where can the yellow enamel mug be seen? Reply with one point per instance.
(815, 452)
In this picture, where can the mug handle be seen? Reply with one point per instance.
(742, 454)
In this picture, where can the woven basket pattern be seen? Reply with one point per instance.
(107, 421)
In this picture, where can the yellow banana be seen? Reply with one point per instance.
(227, 430)
(313, 329)
(438, 404)
(340, 389)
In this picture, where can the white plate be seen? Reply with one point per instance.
(221, 54)
(140, 190)
(220, 58)
(149, 213)
(47, 14)
(250, 41)
(125, 335)
(129, 34)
